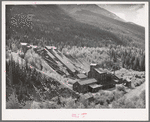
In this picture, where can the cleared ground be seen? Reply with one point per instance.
(135, 92)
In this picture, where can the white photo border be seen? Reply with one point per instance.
(66, 114)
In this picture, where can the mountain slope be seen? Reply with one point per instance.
(99, 17)
(92, 7)
(79, 28)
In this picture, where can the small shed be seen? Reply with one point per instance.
(128, 82)
(24, 47)
(94, 88)
(82, 85)
(88, 96)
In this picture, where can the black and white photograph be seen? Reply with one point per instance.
(75, 57)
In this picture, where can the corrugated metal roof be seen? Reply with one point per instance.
(49, 54)
(87, 81)
(81, 76)
(61, 58)
(64, 61)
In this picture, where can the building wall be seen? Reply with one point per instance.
(108, 86)
(93, 90)
(24, 49)
(76, 86)
(128, 84)
(81, 88)
(89, 74)
(102, 78)
(84, 89)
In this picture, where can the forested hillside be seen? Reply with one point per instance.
(57, 27)
(129, 34)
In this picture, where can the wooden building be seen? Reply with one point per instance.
(24, 47)
(88, 96)
(103, 78)
(100, 76)
(82, 86)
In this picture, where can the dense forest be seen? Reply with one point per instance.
(30, 89)
(108, 57)
(55, 26)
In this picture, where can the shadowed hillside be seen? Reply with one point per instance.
(53, 25)
(129, 33)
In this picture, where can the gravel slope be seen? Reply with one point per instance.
(135, 92)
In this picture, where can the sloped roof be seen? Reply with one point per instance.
(87, 81)
(64, 60)
(128, 80)
(33, 46)
(87, 95)
(99, 70)
(92, 64)
(50, 47)
(116, 81)
(81, 76)
(95, 85)
(23, 43)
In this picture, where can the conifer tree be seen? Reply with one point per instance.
(136, 63)
(127, 61)
(142, 63)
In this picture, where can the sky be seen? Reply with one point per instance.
(129, 12)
